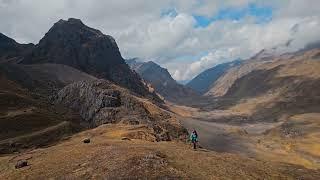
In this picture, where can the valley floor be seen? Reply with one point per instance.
(111, 156)
(294, 141)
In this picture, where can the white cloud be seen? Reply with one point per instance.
(142, 30)
(232, 40)
(158, 38)
(211, 59)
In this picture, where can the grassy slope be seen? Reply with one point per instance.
(107, 156)
(27, 121)
(286, 91)
(296, 141)
(296, 103)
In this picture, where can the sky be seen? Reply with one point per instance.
(185, 36)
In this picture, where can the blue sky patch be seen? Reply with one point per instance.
(169, 12)
(202, 21)
(263, 14)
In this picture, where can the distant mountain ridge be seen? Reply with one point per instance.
(161, 80)
(205, 80)
(270, 88)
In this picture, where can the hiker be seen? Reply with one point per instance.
(195, 132)
(194, 138)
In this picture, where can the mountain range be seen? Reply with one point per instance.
(75, 78)
(271, 102)
(71, 107)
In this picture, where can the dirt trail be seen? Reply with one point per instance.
(213, 136)
(223, 137)
(14, 113)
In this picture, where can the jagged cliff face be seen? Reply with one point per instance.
(100, 102)
(74, 44)
(162, 81)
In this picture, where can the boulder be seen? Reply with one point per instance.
(126, 139)
(87, 140)
(21, 164)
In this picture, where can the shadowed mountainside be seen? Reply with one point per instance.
(44, 89)
(205, 80)
(267, 89)
(74, 44)
(161, 81)
(10, 50)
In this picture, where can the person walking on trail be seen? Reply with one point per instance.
(194, 138)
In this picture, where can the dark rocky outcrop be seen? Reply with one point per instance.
(74, 44)
(51, 90)
(100, 102)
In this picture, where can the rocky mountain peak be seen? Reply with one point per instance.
(74, 31)
(72, 43)
(72, 21)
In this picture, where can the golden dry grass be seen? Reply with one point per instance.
(250, 105)
(107, 156)
(306, 68)
(303, 150)
(183, 111)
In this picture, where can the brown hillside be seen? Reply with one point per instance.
(110, 157)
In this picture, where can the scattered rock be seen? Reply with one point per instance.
(87, 140)
(126, 139)
(160, 154)
(21, 164)
(290, 131)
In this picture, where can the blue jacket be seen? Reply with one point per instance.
(193, 138)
